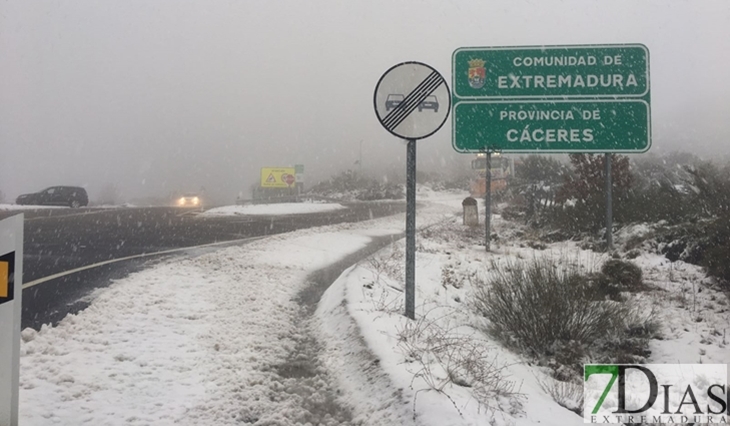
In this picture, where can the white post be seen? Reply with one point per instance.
(11, 292)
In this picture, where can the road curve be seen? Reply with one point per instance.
(60, 240)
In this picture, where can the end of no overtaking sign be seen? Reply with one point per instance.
(412, 100)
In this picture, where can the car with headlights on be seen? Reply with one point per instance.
(189, 200)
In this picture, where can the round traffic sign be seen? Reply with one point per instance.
(289, 179)
(412, 100)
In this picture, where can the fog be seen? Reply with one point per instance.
(161, 96)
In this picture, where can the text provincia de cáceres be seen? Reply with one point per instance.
(570, 135)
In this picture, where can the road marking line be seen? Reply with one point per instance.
(136, 256)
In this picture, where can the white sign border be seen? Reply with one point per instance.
(549, 151)
(549, 47)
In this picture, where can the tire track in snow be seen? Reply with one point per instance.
(303, 380)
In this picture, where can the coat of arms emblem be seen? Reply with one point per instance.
(477, 73)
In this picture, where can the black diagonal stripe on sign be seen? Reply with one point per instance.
(408, 104)
(412, 104)
(424, 94)
(408, 100)
(411, 101)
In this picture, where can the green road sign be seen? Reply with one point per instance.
(556, 126)
(592, 98)
(538, 72)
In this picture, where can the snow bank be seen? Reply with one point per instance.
(28, 207)
(272, 209)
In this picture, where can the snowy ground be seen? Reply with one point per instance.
(694, 317)
(272, 209)
(221, 338)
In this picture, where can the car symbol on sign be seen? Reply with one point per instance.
(429, 103)
(393, 101)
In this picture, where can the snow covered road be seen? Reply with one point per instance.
(222, 338)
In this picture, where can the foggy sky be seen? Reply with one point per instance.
(160, 96)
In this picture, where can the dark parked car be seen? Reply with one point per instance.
(72, 196)
(393, 101)
(429, 103)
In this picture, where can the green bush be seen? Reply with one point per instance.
(624, 274)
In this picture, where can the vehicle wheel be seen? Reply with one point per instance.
(436, 110)
(74, 204)
(420, 109)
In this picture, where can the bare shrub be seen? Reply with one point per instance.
(537, 303)
(388, 264)
(446, 357)
(567, 394)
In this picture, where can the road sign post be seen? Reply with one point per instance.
(411, 230)
(488, 202)
(412, 102)
(609, 206)
(11, 292)
(552, 99)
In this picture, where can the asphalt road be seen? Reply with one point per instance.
(60, 240)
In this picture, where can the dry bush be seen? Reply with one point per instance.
(535, 304)
(388, 264)
(445, 357)
(554, 313)
(567, 394)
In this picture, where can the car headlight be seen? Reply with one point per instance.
(196, 200)
(181, 201)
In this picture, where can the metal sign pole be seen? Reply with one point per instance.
(411, 230)
(488, 201)
(11, 292)
(609, 206)
(412, 102)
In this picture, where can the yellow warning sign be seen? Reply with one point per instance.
(4, 282)
(277, 177)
